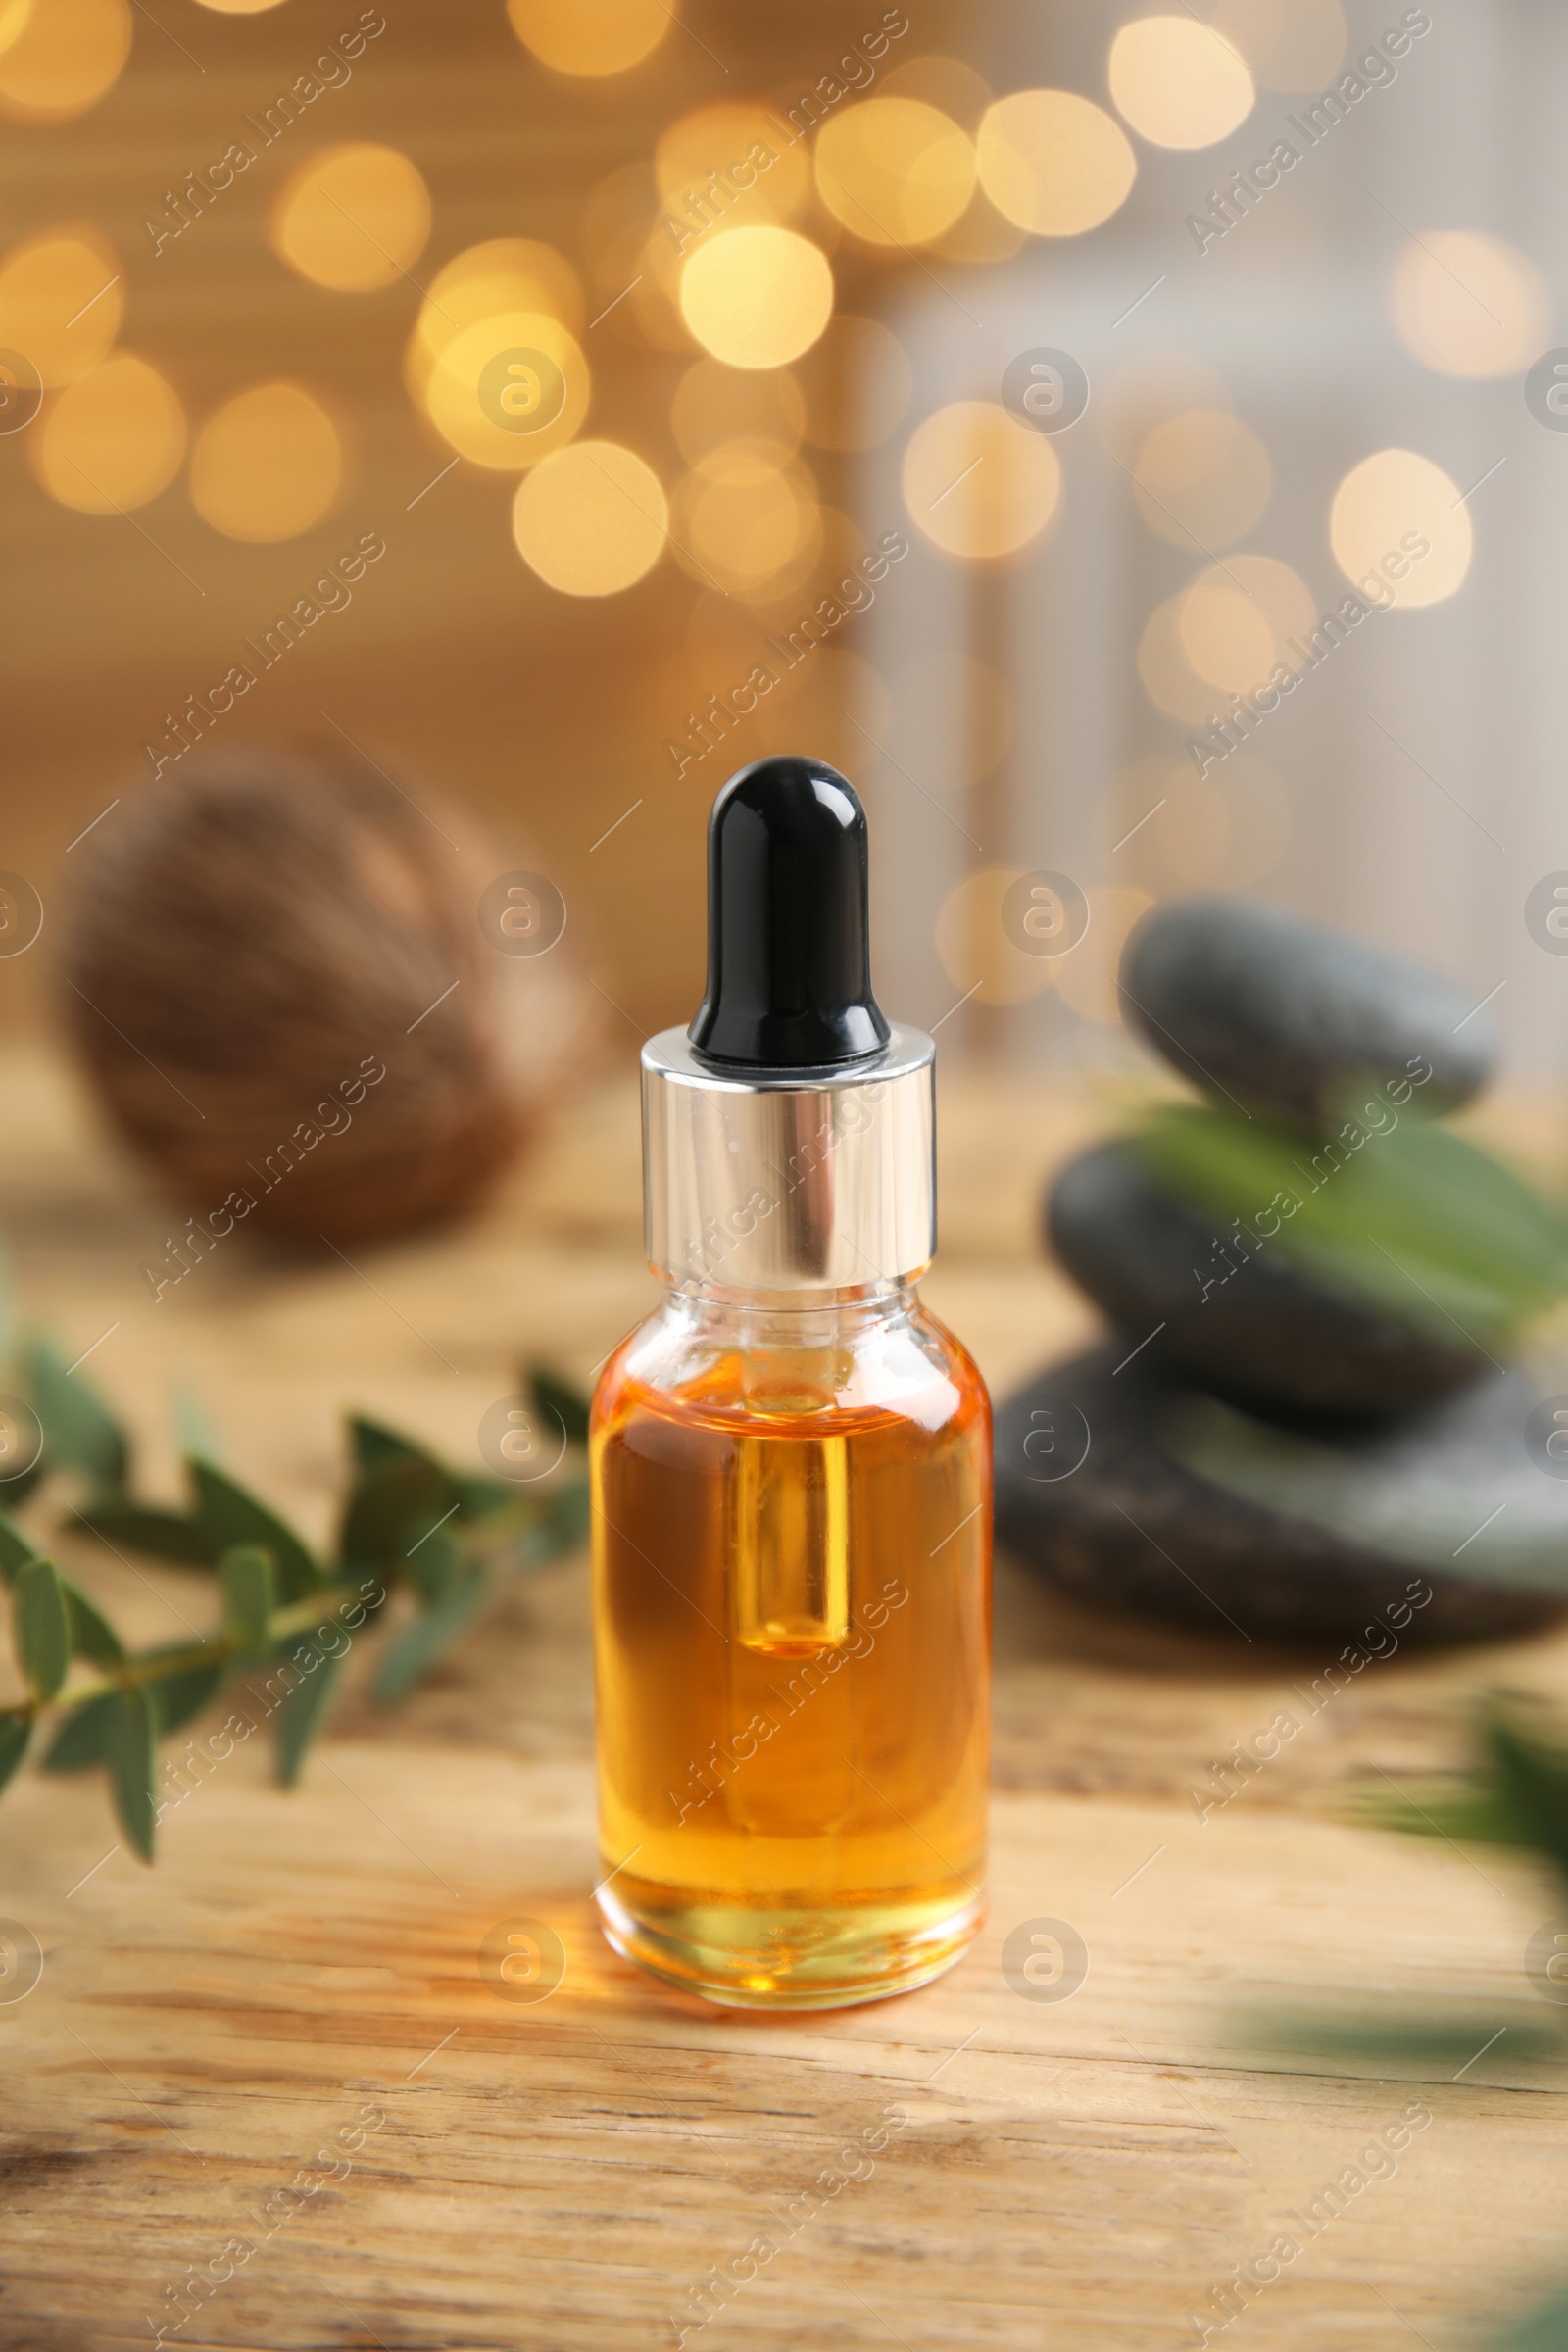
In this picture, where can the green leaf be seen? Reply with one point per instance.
(82, 1739)
(79, 1429)
(175, 1696)
(41, 1624)
(413, 1651)
(436, 1563)
(1519, 1797)
(544, 1523)
(162, 1535)
(302, 1715)
(16, 1729)
(91, 1633)
(1389, 2036)
(229, 1515)
(401, 1493)
(481, 1497)
(390, 1508)
(15, 1549)
(132, 1732)
(376, 1446)
(1474, 1813)
(1412, 1219)
(556, 1401)
(250, 1589)
(561, 1526)
(1533, 1783)
(1542, 2330)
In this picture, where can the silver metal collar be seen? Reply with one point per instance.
(798, 1180)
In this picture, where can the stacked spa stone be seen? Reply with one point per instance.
(1255, 1446)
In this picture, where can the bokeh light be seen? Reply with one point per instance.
(1289, 44)
(591, 519)
(1470, 305)
(15, 18)
(591, 37)
(977, 952)
(1239, 619)
(945, 82)
(63, 56)
(756, 297)
(486, 281)
(977, 484)
(1053, 163)
(509, 390)
(1226, 637)
(353, 219)
(714, 403)
(1165, 673)
(732, 156)
(268, 464)
(980, 234)
(1390, 508)
(1201, 479)
(856, 383)
(1178, 82)
(837, 545)
(62, 297)
(504, 273)
(240, 8)
(748, 519)
(111, 440)
(1086, 978)
(895, 171)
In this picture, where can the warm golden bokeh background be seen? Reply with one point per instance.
(763, 336)
(270, 383)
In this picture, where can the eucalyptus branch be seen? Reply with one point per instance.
(222, 1649)
(444, 1537)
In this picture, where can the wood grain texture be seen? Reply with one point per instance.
(1081, 2172)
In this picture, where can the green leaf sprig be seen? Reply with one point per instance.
(407, 1522)
(1515, 1792)
(1409, 1217)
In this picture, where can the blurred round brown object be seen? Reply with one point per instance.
(249, 944)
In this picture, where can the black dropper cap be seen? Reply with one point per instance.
(789, 974)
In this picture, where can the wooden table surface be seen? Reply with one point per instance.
(297, 1967)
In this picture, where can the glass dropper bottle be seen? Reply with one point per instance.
(791, 1468)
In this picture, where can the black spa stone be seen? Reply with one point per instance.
(1129, 1490)
(1253, 1327)
(1266, 1011)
